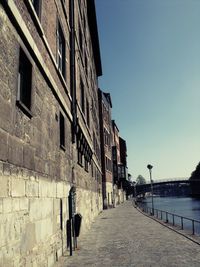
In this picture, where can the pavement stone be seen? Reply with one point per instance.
(124, 237)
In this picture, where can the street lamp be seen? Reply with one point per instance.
(150, 168)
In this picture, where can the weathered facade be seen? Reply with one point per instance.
(49, 128)
(87, 173)
(105, 106)
(119, 194)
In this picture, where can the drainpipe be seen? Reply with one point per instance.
(73, 70)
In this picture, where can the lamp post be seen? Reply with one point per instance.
(150, 168)
(135, 195)
(135, 192)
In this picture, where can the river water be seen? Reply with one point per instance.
(183, 206)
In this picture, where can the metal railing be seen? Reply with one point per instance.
(176, 220)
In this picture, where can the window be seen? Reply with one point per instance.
(36, 5)
(80, 38)
(119, 171)
(82, 97)
(80, 158)
(80, 155)
(108, 164)
(94, 147)
(62, 131)
(114, 153)
(106, 136)
(61, 214)
(86, 65)
(84, 23)
(92, 169)
(109, 140)
(61, 50)
(86, 163)
(122, 172)
(88, 113)
(115, 173)
(24, 82)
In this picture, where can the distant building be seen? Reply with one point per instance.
(118, 192)
(49, 126)
(115, 152)
(122, 167)
(105, 106)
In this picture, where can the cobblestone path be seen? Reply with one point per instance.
(124, 237)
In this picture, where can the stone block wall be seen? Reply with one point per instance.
(32, 226)
(115, 195)
(30, 218)
(88, 205)
(119, 195)
(109, 195)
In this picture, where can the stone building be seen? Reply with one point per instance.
(49, 125)
(119, 193)
(105, 106)
(87, 173)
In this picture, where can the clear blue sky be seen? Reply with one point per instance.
(150, 51)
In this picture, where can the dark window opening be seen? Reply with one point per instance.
(80, 157)
(82, 97)
(114, 153)
(88, 113)
(84, 23)
(24, 81)
(86, 65)
(86, 164)
(36, 5)
(115, 171)
(80, 38)
(61, 214)
(61, 50)
(62, 131)
(92, 169)
(84, 154)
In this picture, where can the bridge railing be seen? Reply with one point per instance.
(160, 181)
(184, 223)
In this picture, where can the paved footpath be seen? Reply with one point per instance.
(124, 237)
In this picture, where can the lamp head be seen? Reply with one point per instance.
(149, 166)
